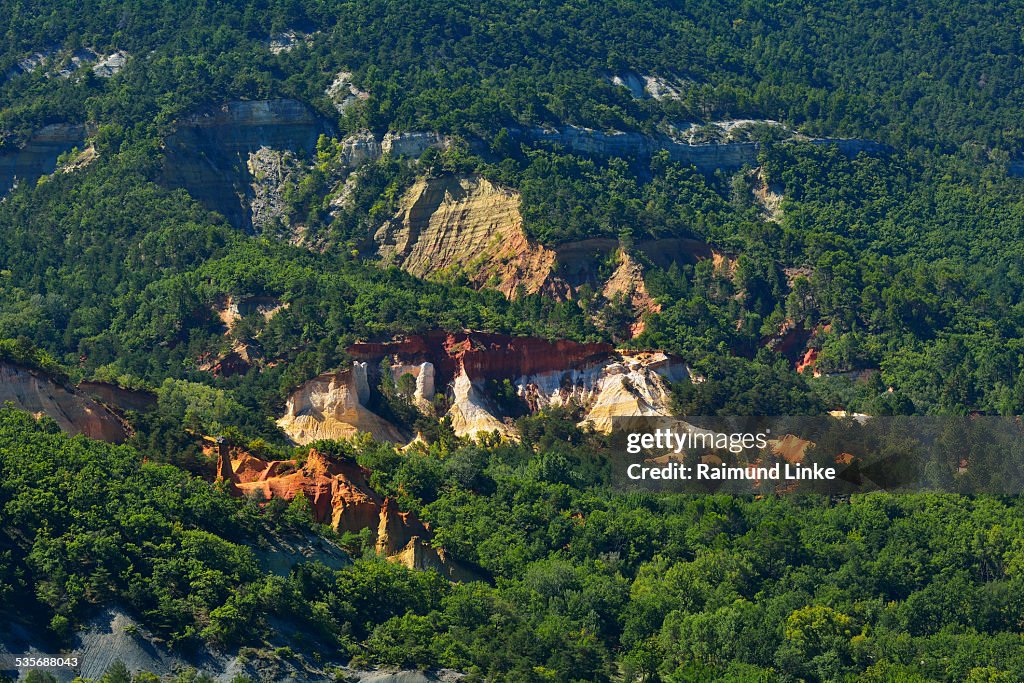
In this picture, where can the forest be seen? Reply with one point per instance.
(902, 267)
(586, 584)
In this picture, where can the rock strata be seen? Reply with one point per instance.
(72, 410)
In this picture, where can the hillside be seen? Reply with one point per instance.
(318, 317)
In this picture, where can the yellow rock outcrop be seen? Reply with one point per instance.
(464, 224)
(332, 406)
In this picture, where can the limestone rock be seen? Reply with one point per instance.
(38, 156)
(111, 65)
(208, 153)
(344, 93)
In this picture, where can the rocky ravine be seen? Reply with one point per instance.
(603, 382)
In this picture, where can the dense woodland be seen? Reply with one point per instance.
(907, 263)
(586, 584)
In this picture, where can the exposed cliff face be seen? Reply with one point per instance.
(333, 406)
(483, 356)
(603, 382)
(466, 225)
(118, 398)
(461, 364)
(38, 156)
(72, 410)
(624, 385)
(339, 493)
(208, 154)
(648, 86)
(270, 170)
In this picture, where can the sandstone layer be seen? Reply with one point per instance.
(333, 406)
(453, 227)
(465, 225)
(602, 382)
(75, 413)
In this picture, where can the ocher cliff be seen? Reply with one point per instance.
(333, 406)
(339, 492)
(467, 225)
(75, 413)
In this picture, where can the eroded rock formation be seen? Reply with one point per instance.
(450, 225)
(603, 382)
(624, 385)
(333, 406)
(340, 494)
(74, 411)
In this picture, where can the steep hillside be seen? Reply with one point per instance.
(74, 411)
(456, 225)
(228, 158)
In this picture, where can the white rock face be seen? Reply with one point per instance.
(628, 386)
(110, 65)
(631, 386)
(360, 148)
(664, 88)
(471, 413)
(649, 86)
(412, 145)
(288, 40)
(344, 93)
(627, 389)
(424, 374)
(361, 381)
(632, 81)
(332, 406)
